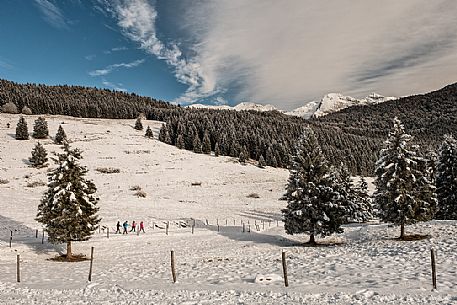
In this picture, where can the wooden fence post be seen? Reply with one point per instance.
(217, 228)
(193, 226)
(36, 233)
(244, 228)
(91, 262)
(107, 232)
(18, 268)
(173, 270)
(42, 238)
(166, 227)
(432, 252)
(284, 269)
(11, 238)
(263, 225)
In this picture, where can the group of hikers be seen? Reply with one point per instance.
(125, 227)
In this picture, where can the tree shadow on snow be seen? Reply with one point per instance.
(25, 235)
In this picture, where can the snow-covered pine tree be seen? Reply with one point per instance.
(162, 132)
(242, 158)
(180, 142)
(149, 133)
(138, 124)
(206, 145)
(22, 132)
(39, 156)
(40, 128)
(403, 193)
(217, 151)
(68, 209)
(446, 179)
(358, 205)
(60, 136)
(262, 163)
(314, 205)
(197, 144)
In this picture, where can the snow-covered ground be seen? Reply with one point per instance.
(214, 265)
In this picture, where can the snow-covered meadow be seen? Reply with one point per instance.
(215, 264)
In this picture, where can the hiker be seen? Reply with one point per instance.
(141, 227)
(133, 226)
(125, 225)
(118, 227)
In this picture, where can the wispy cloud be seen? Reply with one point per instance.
(113, 67)
(117, 87)
(5, 65)
(90, 56)
(117, 49)
(137, 20)
(52, 14)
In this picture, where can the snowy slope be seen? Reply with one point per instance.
(216, 264)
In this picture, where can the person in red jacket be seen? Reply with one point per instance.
(133, 226)
(141, 227)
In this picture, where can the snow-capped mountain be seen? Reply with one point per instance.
(330, 103)
(334, 102)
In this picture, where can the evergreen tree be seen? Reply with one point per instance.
(68, 209)
(262, 163)
(180, 142)
(242, 158)
(446, 179)
(197, 145)
(60, 136)
(162, 133)
(138, 124)
(22, 132)
(217, 151)
(403, 194)
(206, 146)
(149, 133)
(40, 129)
(314, 205)
(274, 162)
(39, 156)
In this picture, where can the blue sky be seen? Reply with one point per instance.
(282, 52)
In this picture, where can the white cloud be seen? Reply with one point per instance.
(52, 14)
(117, 49)
(117, 87)
(110, 68)
(137, 19)
(90, 56)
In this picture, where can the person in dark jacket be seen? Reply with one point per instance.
(125, 225)
(118, 227)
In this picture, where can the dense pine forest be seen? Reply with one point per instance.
(352, 136)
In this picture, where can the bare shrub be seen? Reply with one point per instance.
(135, 188)
(36, 184)
(141, 194)
(4, 181)
(253, 195)
(108, 170)
(9, 107)
(196, 184)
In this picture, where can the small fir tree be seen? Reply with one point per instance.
(403, 193)
(138, 124)
(40, 129)
(149, 133)
(180, 142)
(68, 209)
(197, 145)
(162, 132)
(446, 179)
(206, 145)
(314, 205)
(262, 163)
(22, 132)
(39, 156)
(26, 110)
(217, 150)
(242, 158)
(60, 137)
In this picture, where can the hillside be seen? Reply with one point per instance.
(215, 263)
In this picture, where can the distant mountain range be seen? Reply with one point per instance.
(330, 103)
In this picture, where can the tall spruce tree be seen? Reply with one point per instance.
(262, 163)
(314, 205)
(180, 142)
(217, 150)
(68, 209)
(39, 156)
(446, 179)
(206, 145)
(40, 129)
(403, 193)
(22, 132)
(138, 124)
(197, 144)
(60, 137)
